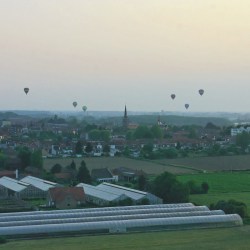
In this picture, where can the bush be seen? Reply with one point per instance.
(2, 240)
(195, 189)
(231, 207)
(204, 187)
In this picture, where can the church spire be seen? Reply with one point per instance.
(125, 118)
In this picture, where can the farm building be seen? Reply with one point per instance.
(135, 195)
(42, 186)
(66, 197)
(103, 174)
(115, 220)
(11, 188)
(99, 197)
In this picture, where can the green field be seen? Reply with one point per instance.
(223, 182)
(223, 186)
(221, 239)
(175, 166)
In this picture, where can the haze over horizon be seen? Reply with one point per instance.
(105, 54)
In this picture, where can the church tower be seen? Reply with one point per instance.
(125, 119)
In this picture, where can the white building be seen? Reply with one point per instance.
(136, 195)
(42, 186)
(16, 189)
(100, 197)
(240, 130)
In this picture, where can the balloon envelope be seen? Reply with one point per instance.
(26, 90)
(173, 96)
(201, 91)
(186, 106)
(74, 104)
(84, 108)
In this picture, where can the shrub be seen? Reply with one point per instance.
(231, 207)
(2, 240)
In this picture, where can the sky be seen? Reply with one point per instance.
(106, 54)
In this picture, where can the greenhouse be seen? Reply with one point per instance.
(76, 214)
(179, 205)
(114, 220)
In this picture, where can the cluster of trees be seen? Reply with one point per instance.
(144, 132)
(167, 187)
(80, 174)
(231, 207)
(198, 189)
(30, 158)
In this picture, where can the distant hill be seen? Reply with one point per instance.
(173, 120)
(144, 118)
(9, 115)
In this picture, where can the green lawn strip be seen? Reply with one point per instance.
(223, 182)
(221, 238)
(207, 199)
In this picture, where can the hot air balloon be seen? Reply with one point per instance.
(84, 108)
(173, 96)
(26, 90)
(74, 104)
(186, 105)
(201, 91)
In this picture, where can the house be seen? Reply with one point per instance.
(103, 174)
(8, 173)
(66, 197)
(127, 174)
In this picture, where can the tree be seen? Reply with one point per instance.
(37, 159)
(142, 181)
(79, 148)
(142, 132)
(2, 160)
(83, 174)
(210, 125)
(231, 207)
(171, 153)
(73, 165)
(156, 132)
(24, 155)
(162, 184)
(57, 168)
(205, 187)
(243, 140)
(179, 192)
(169, 189)
(88, 148)
(106, 148)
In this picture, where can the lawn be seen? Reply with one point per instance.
(223, 186)
(221, 239)
(222, 182)
(155, 167)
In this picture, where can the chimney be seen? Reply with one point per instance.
(17, 174)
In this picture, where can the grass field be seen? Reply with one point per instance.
(115, 162)
(186, 165)
(221, 239)
(221, 182)
(210, 164)
(223, 186)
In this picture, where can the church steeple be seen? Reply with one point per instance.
(125, 118)
(125, 112)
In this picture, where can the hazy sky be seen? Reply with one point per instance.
(108, 53)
